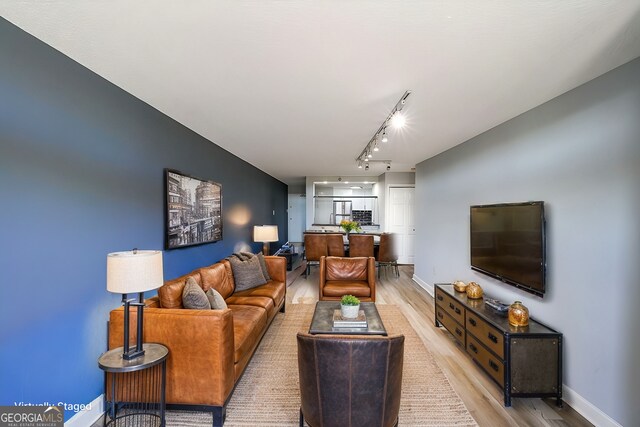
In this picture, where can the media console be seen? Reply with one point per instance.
(523, 361)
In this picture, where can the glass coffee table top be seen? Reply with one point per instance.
(322, 322)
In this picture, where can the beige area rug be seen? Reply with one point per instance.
(268, 393)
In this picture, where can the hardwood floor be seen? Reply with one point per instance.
(480, 394)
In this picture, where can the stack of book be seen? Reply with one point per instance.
(342, 322)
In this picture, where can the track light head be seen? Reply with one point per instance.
(366, 167)
(398, 120)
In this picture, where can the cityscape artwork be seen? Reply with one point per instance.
(194, 210)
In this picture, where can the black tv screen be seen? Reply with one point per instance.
(508, 243)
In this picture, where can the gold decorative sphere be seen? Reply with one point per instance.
(474, 291)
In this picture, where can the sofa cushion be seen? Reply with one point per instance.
(248, 324)
(193, 297)
(339, 288)
(247, 274)
(273, 290)
(215, 299)
(170, 293)
(218, 276)
(263, 264)
(258, 301)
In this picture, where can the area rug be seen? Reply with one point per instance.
(268, 393)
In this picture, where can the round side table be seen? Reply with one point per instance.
(135, 389)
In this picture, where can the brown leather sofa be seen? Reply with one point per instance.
(350, 380)
(208, 349)
(347, 276)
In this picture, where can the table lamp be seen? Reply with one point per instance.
(134, 272)
(265, 234)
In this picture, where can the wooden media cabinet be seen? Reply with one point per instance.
(523, 361)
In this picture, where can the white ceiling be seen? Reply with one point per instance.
(298, 88)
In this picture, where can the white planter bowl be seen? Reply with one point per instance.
(349, 311)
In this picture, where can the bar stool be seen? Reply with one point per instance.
(388, 253)
(360, 245)
(315, 246)
(335, 244)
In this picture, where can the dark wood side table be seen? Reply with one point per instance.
(135, 389)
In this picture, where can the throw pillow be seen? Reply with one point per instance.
(263, 263)
(216, 300)
(193, 297)
(246, 274)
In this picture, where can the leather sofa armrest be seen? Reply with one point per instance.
(323, 276)
(277, 268)
(200, 366)
(371, 277)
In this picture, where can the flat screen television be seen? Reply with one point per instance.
(508, 244)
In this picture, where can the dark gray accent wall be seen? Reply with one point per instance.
(81, 174)
(580, 154)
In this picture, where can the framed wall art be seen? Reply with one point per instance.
(193, 210)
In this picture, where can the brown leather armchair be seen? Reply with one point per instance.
(388, 253)
(360, 245)
(350, 380)
(347, 276)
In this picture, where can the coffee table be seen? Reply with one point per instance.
(322, 322)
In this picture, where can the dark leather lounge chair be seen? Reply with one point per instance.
(350, 381)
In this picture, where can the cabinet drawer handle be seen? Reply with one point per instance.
(451, 306)
(493, 337)
(493, 365)
(439, 297)
(457, 310)
(473, 322)
(473, 348)
(440, 315)
(459, 332)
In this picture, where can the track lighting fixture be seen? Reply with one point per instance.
(396, 118)
(366, 167)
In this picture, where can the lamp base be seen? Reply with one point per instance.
(132, 354)
(265, 248)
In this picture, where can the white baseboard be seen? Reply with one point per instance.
(587, 409)
(427, 287)
(88, 416)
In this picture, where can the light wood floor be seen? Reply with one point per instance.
(480, 394)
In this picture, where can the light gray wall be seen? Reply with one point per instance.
(580, 154)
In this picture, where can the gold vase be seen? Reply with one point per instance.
(474, 291)
(459, 286)
(518, 314)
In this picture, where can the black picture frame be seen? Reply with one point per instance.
(193, 210)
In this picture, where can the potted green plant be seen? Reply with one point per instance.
(349, 226)
(349, 307)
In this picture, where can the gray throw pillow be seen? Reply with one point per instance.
(215, 299)
(193, 297)
(246, 274)
(263, 263)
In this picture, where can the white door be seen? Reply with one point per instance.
(297, 215)
(401, 221)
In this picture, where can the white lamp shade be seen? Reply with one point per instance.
(134, 271)
(265, 233)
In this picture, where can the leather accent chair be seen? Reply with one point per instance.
(388, 253)
(350, 380)
(360, 245)
(315, 247)
(341, 276)
(335, 245)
